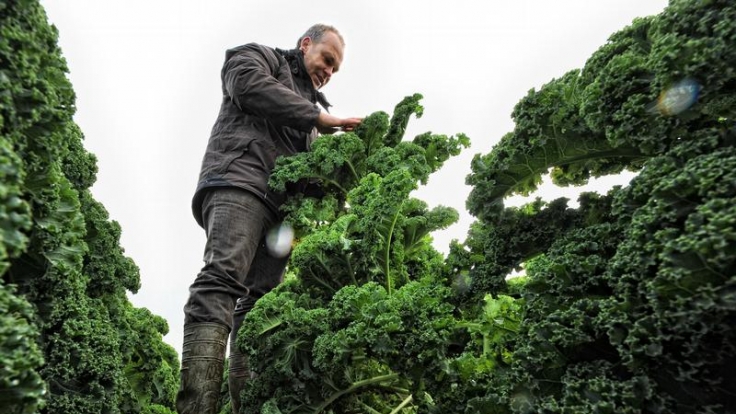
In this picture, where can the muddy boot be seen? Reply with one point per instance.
(238, 372)
(202, 363)
(238, 376)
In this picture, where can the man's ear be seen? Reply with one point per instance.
(305, 44)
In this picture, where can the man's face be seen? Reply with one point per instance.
(322, 59)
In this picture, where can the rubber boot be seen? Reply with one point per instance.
(238, 372)
(202, 364)
(238, 376)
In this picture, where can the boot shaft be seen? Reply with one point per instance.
(202, 364)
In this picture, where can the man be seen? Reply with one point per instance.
(269, 109)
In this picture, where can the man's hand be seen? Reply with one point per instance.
(327, 122)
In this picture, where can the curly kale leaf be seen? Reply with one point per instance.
(419, 222)
(517, 235)
(408, 330)
(324, 259)
(630, 310)
(638, 96)
(366, 303)
(670, 74)
(402, 112)
(21, 385)
(383, 238)
(277, 335)
(549, 134)
(361, 345)
(334, 161)
(439, 148)
(338, 161)
(675, 274)
(307, 214)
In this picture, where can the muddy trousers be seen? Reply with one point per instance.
(238, 265)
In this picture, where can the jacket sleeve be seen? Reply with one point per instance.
(248, 78)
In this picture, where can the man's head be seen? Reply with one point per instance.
(322, 46)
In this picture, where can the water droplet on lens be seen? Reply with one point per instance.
(678, 97)
(279, 240)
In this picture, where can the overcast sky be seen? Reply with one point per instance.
(146, 76)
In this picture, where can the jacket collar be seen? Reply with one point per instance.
(295, 58)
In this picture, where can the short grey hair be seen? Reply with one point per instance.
(317, 31)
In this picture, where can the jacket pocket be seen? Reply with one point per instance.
(233, 153)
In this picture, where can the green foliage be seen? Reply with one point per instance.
(628, 301)
(549, 133)
(627, 104)
(58, 246)
(110, 272)
(680, 332)
(383, 232)
(21, 387)
(517, 235)
(14, 211)
(151, 366)
(157, 409)
(365, 324)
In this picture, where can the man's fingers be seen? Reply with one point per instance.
(349, 127)
(351, 123)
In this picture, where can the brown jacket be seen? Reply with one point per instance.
(268, 110)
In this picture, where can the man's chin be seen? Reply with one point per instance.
(317, 84)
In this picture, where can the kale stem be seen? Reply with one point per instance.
(391, 388)
(350, 269)
(355, 386)
(402, 405)
(330, 181)
(367, 407)
(319, 280)
(387, 266)
(352, 169)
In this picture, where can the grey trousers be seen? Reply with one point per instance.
(238, 264)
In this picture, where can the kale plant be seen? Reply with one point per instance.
(366, 316)
(629, 302)
(70, 341)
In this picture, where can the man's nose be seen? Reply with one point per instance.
(329, 70)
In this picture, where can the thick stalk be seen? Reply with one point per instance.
(355, 386)
(387, 265)
(402, 405)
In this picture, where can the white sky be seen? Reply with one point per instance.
(146, 75)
